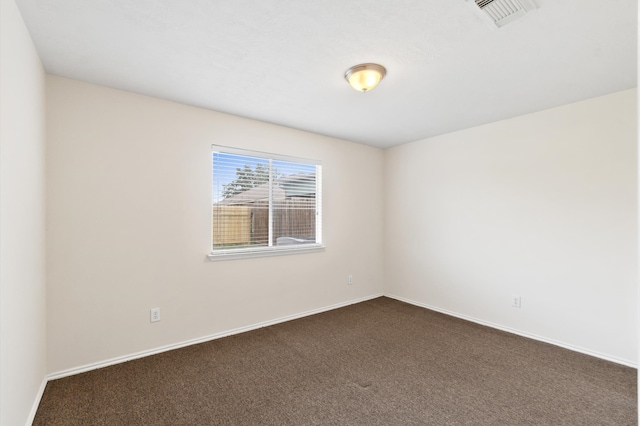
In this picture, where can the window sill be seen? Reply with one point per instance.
(263, 252)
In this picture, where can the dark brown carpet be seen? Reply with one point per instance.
(380, 362)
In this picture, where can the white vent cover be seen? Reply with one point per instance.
(501, 12)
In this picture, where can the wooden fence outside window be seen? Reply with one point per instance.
(249, 224)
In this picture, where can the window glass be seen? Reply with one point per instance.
(264, 202)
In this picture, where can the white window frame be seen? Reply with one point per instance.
(271, 250)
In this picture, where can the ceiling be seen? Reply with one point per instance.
(283, 61)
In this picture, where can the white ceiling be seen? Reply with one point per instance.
(283, 61)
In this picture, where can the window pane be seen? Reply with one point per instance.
(294, 203)
(240, 201)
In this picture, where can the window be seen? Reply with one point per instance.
(264, 204)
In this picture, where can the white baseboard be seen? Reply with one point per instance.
(518, 332)
(142, 354)
(36, 403)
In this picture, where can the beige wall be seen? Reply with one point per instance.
(542, 206)
(22, 243)
(128, 221)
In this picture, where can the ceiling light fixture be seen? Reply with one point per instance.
(365, 77)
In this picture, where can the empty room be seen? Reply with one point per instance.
(308, 213)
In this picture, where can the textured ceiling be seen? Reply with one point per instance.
(283, 61)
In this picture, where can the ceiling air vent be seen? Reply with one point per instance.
(501, 12)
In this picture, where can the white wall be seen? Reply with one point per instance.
(542, 206)
(128, 226)
(22, 243)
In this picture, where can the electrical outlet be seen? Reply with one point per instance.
(350, 280)
(155, 314)
(516, 302)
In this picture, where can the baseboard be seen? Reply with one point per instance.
(121, 359)
(36, 402)
(142, 354)
(518, 332)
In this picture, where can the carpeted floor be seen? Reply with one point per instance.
(380, 362)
